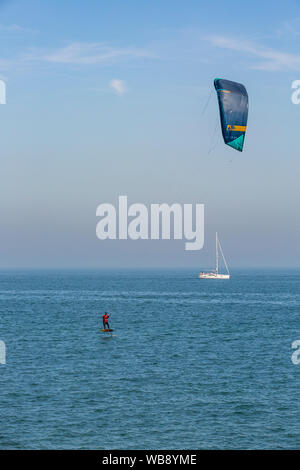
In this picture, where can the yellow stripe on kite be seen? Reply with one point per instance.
(236, 128)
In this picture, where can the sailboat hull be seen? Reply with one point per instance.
(213, 276)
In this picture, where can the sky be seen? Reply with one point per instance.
(116, 98)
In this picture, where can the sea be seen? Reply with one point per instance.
(192, 364)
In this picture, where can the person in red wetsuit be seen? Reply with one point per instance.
(105, 318)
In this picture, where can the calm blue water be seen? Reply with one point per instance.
(194, 363)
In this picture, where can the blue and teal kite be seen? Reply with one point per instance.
(233, 105)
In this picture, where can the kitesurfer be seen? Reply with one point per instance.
(105, 318)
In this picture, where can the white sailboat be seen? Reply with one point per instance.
(215, 274)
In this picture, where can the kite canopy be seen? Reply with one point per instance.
(233, 105)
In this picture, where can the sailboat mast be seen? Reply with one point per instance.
(217, 254)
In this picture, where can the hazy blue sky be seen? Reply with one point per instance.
(106, 98)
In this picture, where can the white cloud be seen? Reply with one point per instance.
(77, 53)
(289, 29)
(92, 53)
(118, 86)
(15, 28)
(272, 59)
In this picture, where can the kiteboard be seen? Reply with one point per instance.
(106, 330)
